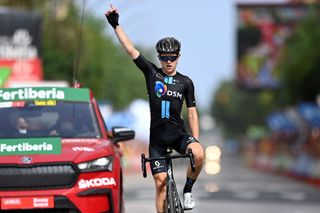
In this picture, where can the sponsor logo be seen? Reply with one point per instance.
(30, 146)
(44, 96)
(174, 94)
(27, 202)
(160, 89)
(26, 160)
(45, 103)
(157, 163)
(23, 147)
(18, 46)
(83, 184)
(12, 201)
(82, 149)
(12, 104)
(31, 94)
(40, 202)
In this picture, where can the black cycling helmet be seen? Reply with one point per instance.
(168, 45)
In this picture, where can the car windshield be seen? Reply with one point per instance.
(53, 119)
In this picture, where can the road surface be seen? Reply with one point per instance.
(235, 189)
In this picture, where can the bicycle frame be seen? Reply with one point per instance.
(173, 200)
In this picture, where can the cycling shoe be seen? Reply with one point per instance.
(188, 201)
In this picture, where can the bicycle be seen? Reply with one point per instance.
(172, 197)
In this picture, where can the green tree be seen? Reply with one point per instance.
(299, 65)
(103, 66)
(236, 110)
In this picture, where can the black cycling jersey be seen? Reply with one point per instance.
(166, 94)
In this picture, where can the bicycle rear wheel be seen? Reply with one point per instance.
(173, 200)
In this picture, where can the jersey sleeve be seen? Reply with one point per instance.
(144, 65)
(189, 93)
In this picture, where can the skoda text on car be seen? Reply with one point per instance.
(56, 154)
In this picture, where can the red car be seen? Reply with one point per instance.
(56, 154)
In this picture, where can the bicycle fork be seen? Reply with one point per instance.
(173, 203)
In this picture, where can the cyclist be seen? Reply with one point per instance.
(167, 90)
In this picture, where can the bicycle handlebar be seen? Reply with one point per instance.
(143, 165)
(193, 165)
(144, 160)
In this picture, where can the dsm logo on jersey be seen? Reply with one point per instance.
(162, 89)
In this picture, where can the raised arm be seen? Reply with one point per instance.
(112, 16)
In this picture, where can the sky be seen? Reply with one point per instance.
(205, 28)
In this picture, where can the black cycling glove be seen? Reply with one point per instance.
(113, 19)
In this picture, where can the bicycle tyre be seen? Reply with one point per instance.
(173, 200)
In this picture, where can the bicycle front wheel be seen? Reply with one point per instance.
(173, 200)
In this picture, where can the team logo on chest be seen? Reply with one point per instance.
(160, 89)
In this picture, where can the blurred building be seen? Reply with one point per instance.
(262, 32)
(20, 35)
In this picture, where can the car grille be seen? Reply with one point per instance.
(37, 176)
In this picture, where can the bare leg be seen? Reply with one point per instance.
(160, 182)
(198, 153)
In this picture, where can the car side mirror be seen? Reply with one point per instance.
(122, 134)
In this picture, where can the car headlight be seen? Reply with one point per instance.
(100, 164)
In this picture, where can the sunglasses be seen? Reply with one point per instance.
(168, 57)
